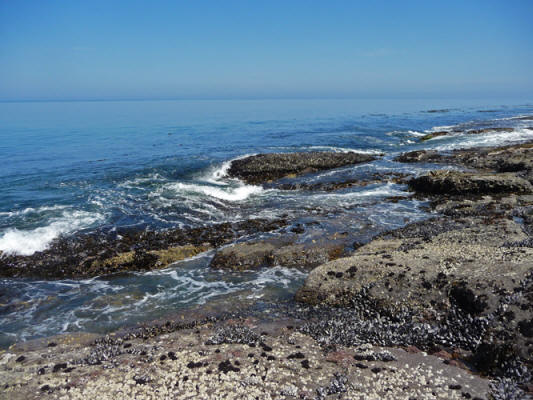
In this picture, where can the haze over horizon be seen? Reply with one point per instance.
(136, 50)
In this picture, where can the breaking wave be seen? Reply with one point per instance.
(27, 242)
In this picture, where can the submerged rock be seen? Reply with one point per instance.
(154, 259)
(268, 167)
(460, 183)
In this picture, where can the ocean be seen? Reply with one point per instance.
(70, 168)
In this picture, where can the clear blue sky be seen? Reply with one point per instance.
(93, 49)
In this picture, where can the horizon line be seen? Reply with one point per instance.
(259, 98)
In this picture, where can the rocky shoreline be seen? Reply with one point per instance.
(441, 308)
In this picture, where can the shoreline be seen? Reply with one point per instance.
(449, 297)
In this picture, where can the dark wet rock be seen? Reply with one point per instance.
(268, 167)
(433, 135)
(323, 186)
(466, 300)
(192, 364)
(297, 355)
(329, 186)
(234, 334)
(487, 130)
(488, 206)
(338, 384)
(141, 379)
(526, 328)
(461, 183)
(427, 156)
(101, 253)
(226, 366)
(433, 111)
(273, 252)
(59, 367)
(385, 356)
(512, 158)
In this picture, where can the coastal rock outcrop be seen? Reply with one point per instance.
(427, 156)
(273, 252)
(461, 183)
(96, 254)
(262, 168)
(480, 267)
(145, 260)
(512, 158)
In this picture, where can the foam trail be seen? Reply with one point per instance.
(27, 242)
(416, 133)
(230, 194)
(345, 150)
(489, 139)
(31, 210)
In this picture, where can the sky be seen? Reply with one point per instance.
(78, 49)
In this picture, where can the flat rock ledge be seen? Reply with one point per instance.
(274, 252)
(460, 183)
(263, 168)
(239, 360)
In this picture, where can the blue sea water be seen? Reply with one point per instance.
(71, 167)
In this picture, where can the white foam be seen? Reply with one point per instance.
(519, 117)
(31, 210)
(488, 139)
(416, 133)
(278, 275)
(441, 128)
(221, 172)
(238, 193)
(389, 189)
(136, 182)
(27, 242)
(219, 175)
(345, 150)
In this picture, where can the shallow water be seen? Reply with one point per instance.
(71, 167)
